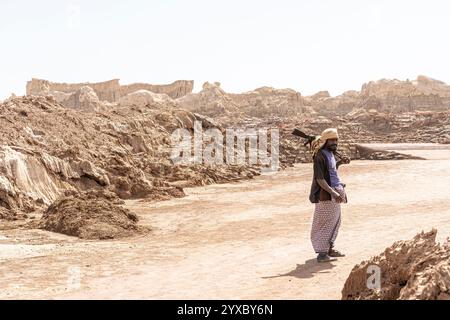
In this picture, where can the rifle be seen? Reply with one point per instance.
(310, 139)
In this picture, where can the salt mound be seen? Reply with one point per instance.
(90, 215)
(414, 269)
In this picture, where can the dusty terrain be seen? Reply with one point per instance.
(240, 240)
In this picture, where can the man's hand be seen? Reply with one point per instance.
(337, 196)
(345, 160)
(334, 194)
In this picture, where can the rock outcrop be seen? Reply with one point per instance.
(383, 96)
(389, 96)
(418, 269)
(262, 102)
(402, 96)
(212, 101)
(143, 98)
(268, 101)
(109, 91)
(386, 96)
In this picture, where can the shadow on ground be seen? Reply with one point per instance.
(306, 270)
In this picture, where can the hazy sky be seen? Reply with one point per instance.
(305, 45)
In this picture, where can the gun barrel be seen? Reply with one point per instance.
(339, 154)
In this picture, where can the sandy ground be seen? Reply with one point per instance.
(248, 240)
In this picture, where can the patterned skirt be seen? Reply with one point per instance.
(326, 223)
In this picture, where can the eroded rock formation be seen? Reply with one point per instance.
(87, 96)
(46, 149)
(410, 270)
(390, 96)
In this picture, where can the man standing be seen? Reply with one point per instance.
(327, 193)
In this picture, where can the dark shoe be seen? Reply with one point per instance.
(335, 253)
(323, 257)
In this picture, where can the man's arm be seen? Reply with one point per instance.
(325, 186)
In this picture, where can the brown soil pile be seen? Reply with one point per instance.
(414, 269)
(90, 215)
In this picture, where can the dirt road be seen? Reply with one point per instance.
(236, 241)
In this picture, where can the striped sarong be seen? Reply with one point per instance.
(326, 223)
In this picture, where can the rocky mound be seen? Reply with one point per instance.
(143, 98)
(46, 149)
(211, 101)
(386, 95)
(413, 269)
(90, 215)
(268, 101)
(424, 93)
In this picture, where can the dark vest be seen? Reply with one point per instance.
(320, 172)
